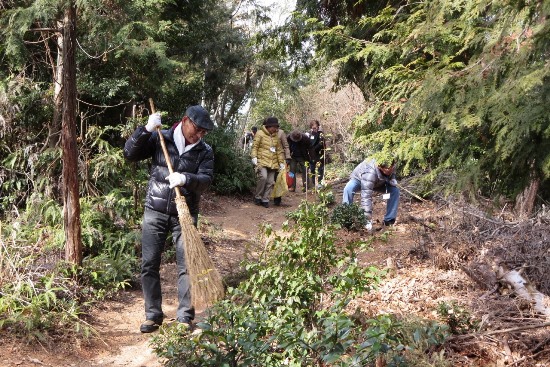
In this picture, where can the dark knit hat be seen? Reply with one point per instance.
(296, 136)
(200, 117)
(271, 121)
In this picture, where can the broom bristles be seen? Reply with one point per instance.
(206, 282)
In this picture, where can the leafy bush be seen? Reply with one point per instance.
(43, 295)
(325, 195)
(292, 308)
(233, 172)
(36, 305)
(350, 216)
(456, 317)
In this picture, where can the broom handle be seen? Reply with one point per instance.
(411, 193)
(164, 150)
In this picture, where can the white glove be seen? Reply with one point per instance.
(153, 122)
(254, 161)
(368, 226)
(393, 182)
(176, 179)
(282, 166)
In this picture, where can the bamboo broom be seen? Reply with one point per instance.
(205, 280)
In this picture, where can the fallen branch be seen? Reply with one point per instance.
(500, 223)
(519, 328)
(411, 193)
(501, 331)
(524, 289)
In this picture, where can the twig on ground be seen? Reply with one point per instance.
(501, 331)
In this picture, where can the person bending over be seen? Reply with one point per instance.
(370, 176)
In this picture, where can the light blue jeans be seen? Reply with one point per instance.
(354, 185)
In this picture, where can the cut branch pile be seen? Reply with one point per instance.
(506, 288)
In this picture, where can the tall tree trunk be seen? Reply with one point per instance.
(71, 204)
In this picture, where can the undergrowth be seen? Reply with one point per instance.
(293, 309)
(42, 297)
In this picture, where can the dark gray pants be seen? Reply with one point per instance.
(296, 165)
(155, 229)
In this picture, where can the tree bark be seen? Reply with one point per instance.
(71, 197)
(525, 202)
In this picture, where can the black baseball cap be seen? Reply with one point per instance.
(200, 117)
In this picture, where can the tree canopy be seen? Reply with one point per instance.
(456, 88)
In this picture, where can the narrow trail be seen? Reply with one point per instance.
(231, 221)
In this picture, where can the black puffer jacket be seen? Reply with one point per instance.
(197, 164)
(317, 141)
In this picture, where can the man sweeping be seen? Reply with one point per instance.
(193, 165)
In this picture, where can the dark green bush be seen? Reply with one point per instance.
(350, 216)
(233, 171)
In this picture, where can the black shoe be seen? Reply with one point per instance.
(150, 325)
(388, 223)
(186, 320)
(257, 201)
(265, 204)
(277, 201)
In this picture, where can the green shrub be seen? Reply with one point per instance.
(350, 216)
(326, 196)
(291, 310)
(233, 171)
(456, 317)
(42, 295)
(37, 306)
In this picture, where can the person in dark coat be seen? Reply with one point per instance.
(300, 153)
(193, 163)
(248, 138)
(317, 162)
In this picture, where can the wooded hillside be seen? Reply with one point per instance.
(457, 91)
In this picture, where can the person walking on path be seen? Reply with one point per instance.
(286, 150)
(300, 153)
(317, 163)
(370, 176)
(248, 138)
(193, 163)
(268, 158)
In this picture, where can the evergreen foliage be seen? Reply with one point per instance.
(233, 171)
(456, 88)
(177, 52)
(349, 216)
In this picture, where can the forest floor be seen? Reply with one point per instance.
(436, 253)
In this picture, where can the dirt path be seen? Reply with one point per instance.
(232, 222)
(229, 225)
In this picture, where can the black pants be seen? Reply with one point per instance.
(155, 229)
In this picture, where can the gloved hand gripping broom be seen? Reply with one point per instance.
(205, 280)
